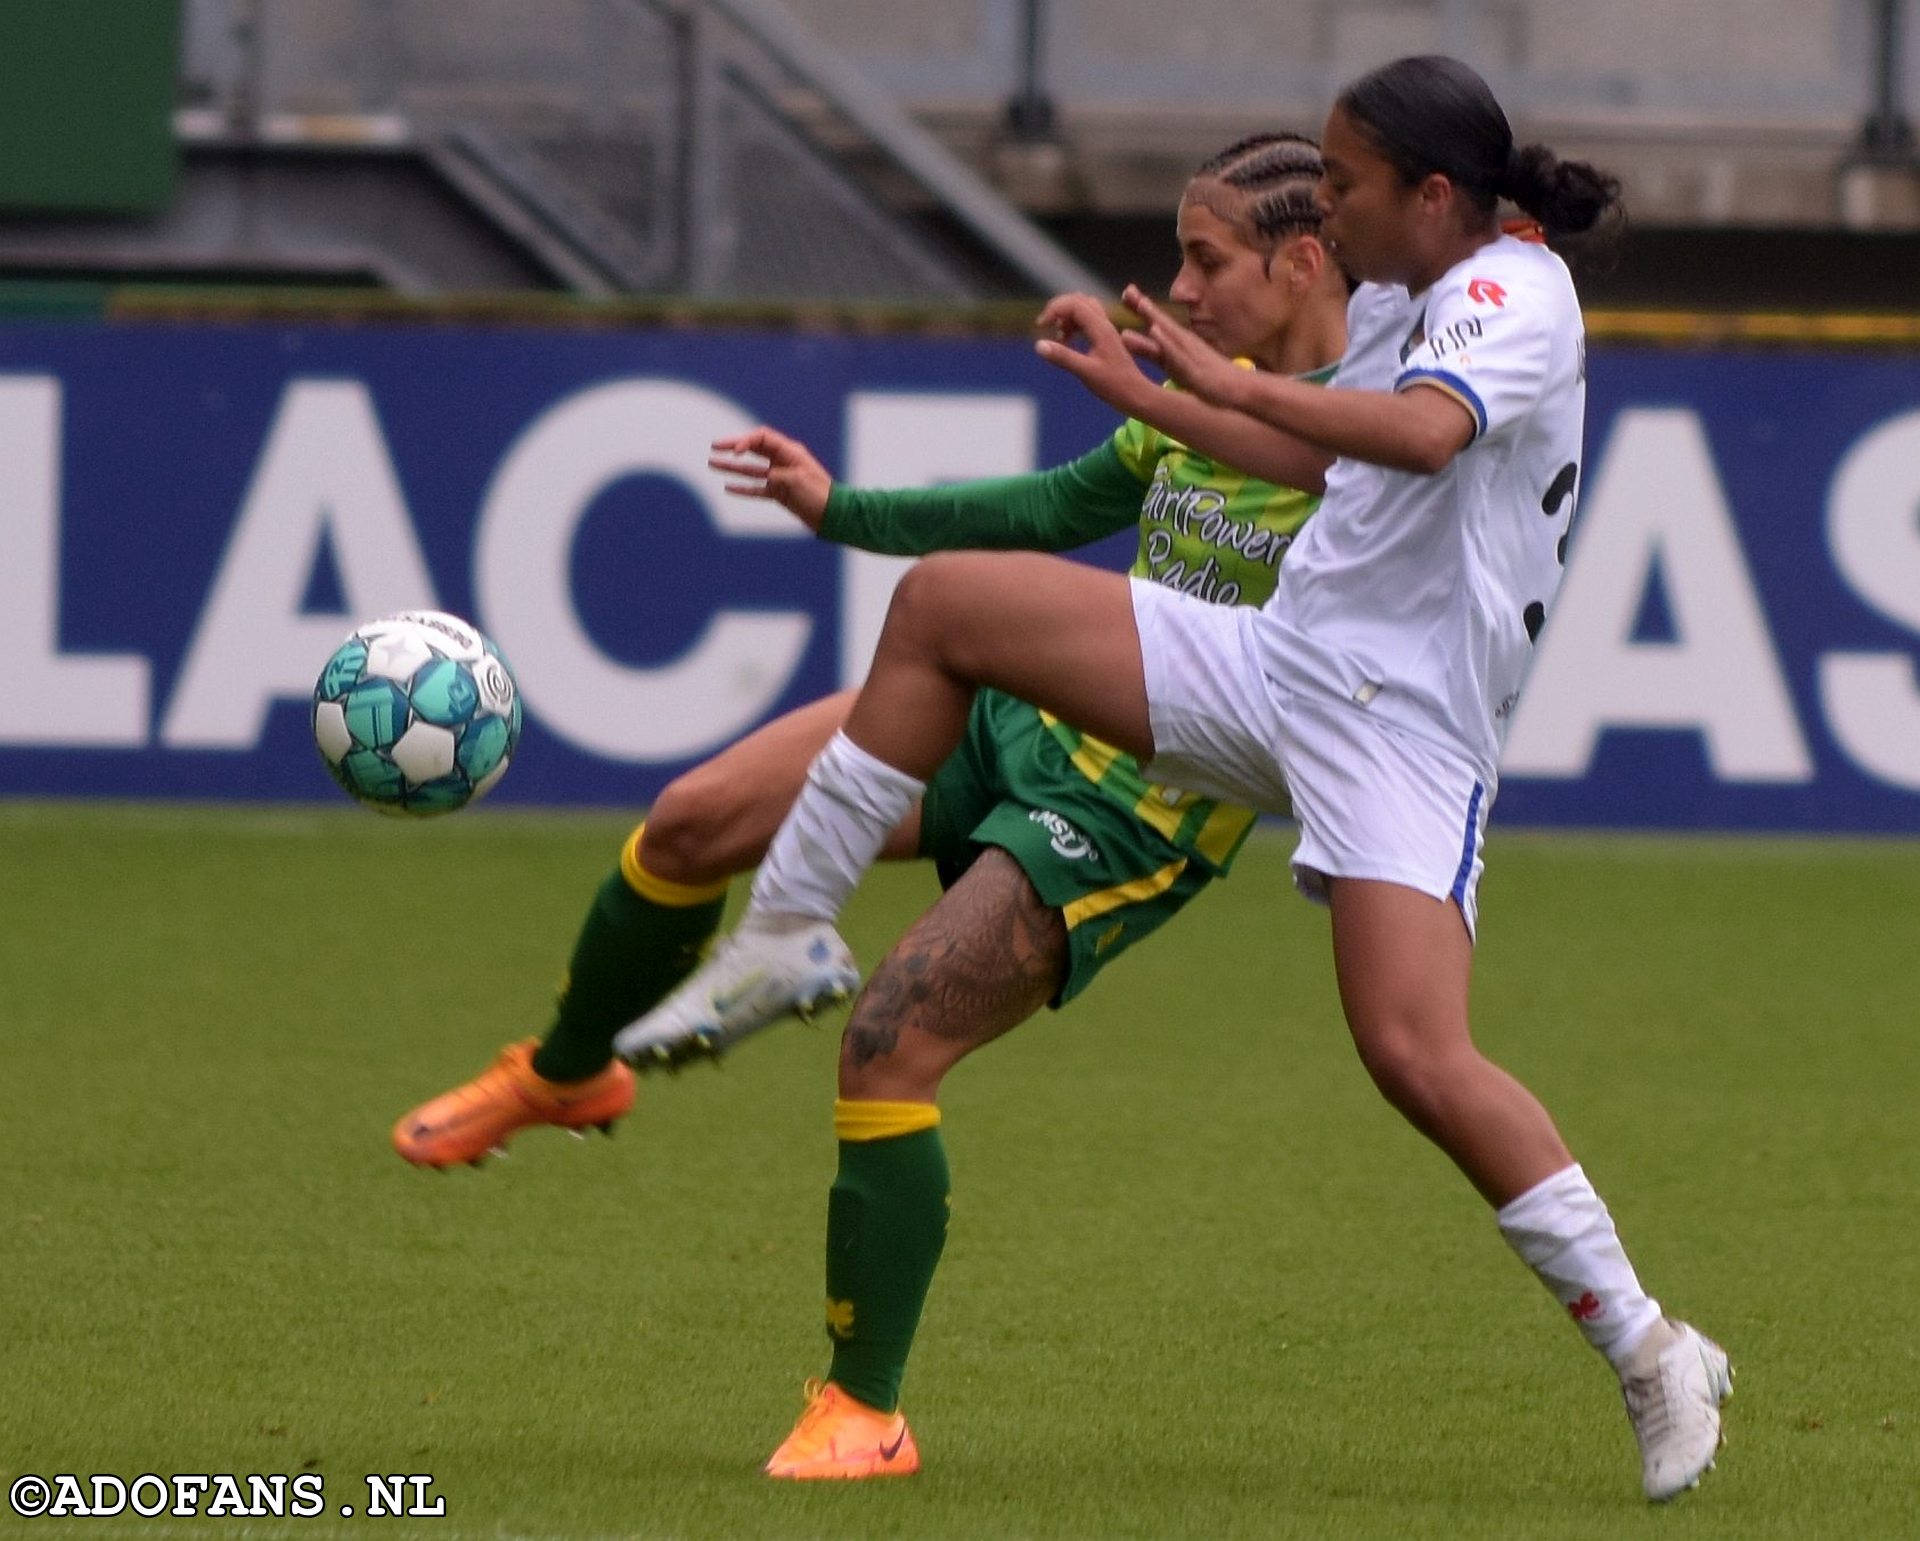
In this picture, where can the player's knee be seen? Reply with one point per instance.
(1406, 1069)
(922, 598)
(685, 840)
(881, 1063)
(908, 610)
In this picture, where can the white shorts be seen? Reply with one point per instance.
(1372, 800)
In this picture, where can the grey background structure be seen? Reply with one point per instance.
(794, 149)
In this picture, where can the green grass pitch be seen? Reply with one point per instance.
(1201, 1282)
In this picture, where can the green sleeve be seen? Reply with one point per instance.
(1055, 510)
(1139, 446)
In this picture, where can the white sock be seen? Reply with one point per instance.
(1562, 1231)
(845, 812)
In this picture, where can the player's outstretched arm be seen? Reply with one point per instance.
(765, 463)
(1418, 430)
(1053, 510)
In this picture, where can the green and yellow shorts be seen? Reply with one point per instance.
(1114, 879)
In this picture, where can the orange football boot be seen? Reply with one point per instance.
(839, 1437)
(477, 1117)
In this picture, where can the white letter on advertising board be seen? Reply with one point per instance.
(1873, 528)
(917, 439)
(49, 698)
(1657, 506)
(741, 662)
(324, 474)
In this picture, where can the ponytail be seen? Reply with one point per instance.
(1434, 114)
(1567, 197)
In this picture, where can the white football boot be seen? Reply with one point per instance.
(1674, 1382)
(756, 976)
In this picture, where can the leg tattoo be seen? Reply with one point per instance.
(982, 960)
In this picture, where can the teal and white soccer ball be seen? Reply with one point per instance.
(416, 713)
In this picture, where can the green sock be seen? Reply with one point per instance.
(886, 1224)
(631, 952)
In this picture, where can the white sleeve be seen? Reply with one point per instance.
(1370, 361)
(1489, 340)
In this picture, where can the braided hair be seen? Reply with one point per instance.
(1274, 176)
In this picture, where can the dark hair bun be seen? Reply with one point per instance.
(1567, 197)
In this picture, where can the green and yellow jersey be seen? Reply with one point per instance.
(1204, 529)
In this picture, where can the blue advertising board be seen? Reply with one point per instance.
(192, 515)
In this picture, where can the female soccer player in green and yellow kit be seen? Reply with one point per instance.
(1056, 852)
(1036, 830)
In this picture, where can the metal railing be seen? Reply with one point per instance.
(668, 144)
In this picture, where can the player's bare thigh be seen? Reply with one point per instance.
(986, 957)
(717, 820)
(1052, 632)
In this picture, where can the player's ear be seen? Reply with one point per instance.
(1436, 194)
(1306, 261)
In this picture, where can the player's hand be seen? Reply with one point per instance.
(1197, 365)
(1077, 335)
(765, 463)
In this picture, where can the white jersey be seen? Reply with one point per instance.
(1418, 597)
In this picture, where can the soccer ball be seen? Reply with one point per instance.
(416, 713)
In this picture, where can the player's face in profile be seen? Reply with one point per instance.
(1234, 288)
(1367, 207)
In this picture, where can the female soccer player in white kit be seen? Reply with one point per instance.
(1373, 688)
